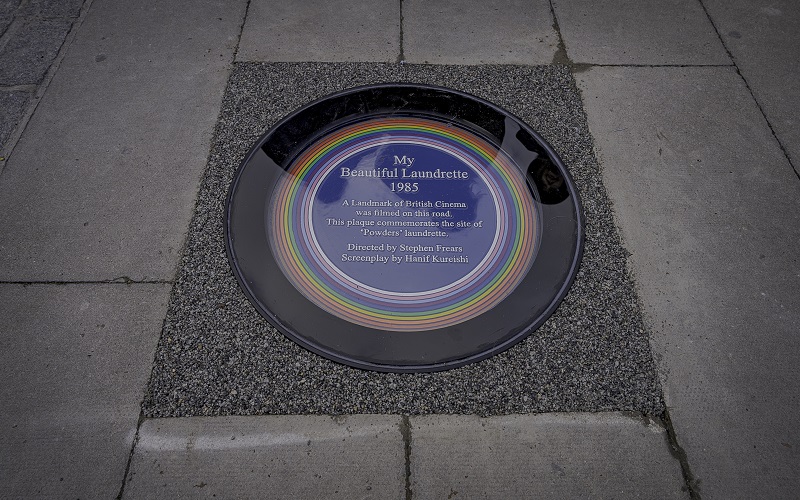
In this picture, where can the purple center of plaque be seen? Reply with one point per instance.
(404, 218)
(403, 224)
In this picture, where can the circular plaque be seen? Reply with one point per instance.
(403, 228)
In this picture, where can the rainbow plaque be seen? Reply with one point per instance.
(403, 228)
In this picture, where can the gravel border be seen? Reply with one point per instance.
(218, 356)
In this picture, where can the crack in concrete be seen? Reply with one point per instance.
(561, 56)
(677, 451)
(405, 431)
(401, 57)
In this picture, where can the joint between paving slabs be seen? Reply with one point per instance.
(142, 417)
(122, 280)
(125, 478)
(238, 42)
(628, 65)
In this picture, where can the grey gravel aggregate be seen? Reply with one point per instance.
(12, 107)
(53, 8)
(31, 49)
(8, 7)
(218, 356)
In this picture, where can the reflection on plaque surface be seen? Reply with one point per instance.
(403, 228)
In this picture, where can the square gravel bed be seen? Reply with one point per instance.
(218, 356)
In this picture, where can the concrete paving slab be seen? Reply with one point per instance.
(359, 456)
(74, 361)
(31, 49)
(764, 38)
(7, 10)
(603, 455)
(5, 22)
(9, 7)
(52, 8)
(337, 30)
(12, 107)
(102, 183)
(707, 204)
(218, 356)
(644, 32)
(478, 32)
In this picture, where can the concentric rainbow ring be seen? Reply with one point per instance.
(300, 257)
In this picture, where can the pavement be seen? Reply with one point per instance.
(113, 121)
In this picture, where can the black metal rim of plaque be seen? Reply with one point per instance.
(278, 297)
